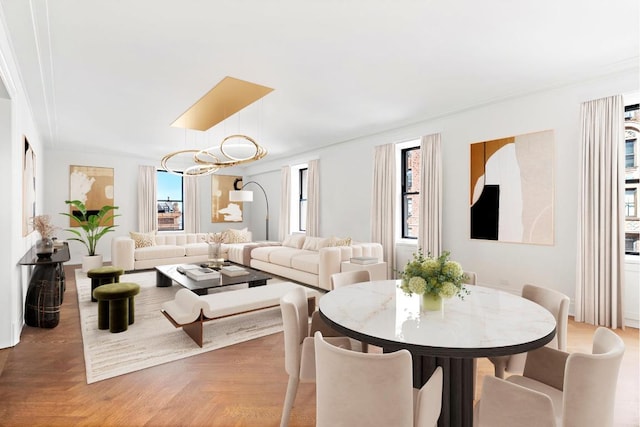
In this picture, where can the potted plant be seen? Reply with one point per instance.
(92, 228)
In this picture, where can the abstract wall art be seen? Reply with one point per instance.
(512, 189)
(223, 210)
(93, 186)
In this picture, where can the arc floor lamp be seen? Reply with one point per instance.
(238, 194)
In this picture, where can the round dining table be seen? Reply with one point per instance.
(486, 322)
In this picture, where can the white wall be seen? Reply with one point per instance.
(346, 172)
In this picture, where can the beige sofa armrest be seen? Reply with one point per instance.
(330, 261)
(547, 366)
(122, 252)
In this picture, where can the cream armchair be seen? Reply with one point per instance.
(556, 389)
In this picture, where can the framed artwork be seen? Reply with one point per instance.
(28, 187)
(222, 210)
(512, 189)
(93, 186)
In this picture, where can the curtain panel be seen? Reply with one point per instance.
(147, 199)
(600, 258)
(313, 197)
(383, 203)
(430, 211)
(191, 211)
(284, 222)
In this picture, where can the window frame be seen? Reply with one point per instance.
(170, 201)
(303, 202)
(404, 194)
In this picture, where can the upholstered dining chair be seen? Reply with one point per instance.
(558, 304)
(372, 389)
(299, 353)
(349, 278)
(556, 388)
(472, 278)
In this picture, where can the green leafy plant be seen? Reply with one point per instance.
(91, 225)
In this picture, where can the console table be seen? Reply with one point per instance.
(46, 287)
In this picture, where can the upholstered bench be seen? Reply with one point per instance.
(116, 309)
(102, 276)
(190, 311)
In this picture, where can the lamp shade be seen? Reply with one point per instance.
(241, 196)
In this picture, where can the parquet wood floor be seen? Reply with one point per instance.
(42, 383)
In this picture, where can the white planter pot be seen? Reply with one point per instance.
(90, 262)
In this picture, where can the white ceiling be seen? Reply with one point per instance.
(111, 76)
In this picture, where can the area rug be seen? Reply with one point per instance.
(152, 340)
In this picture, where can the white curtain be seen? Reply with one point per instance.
(284, 223)
(600, 266)
(191, 208)
(383, 202)
(313, 198)
(147, 199)
(430, 230)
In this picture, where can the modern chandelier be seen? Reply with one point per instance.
(228, 97)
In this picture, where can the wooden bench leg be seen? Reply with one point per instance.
(195, 331)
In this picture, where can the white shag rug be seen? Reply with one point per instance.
(152, 340)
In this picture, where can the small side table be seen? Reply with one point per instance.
(377, 271)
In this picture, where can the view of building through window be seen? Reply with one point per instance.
(302, 200)
(170, 197)
(410, 192)
(632, 180)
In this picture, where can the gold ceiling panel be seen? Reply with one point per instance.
(224, 100)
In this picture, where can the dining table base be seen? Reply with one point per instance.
(457, 387)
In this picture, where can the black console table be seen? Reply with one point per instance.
(46, 287)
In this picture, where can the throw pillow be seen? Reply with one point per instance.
(315, 243)
(337, 241)
(236, 236)
(143, 240)
(294, 241)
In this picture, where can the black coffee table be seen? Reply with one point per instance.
(167, 274)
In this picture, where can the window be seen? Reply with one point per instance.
(170, 198)
(302, 199)
(632, 180)
(410, 189)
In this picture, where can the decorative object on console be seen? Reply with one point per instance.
(44, 246)
(93, 225)
(433, 279)
(228, 97)
(241, 195)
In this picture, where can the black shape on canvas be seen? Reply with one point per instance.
(485, 213)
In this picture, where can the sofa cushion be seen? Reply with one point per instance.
(280, 255)
(294, 241)
(263, 253)
(308, 261)
(159, 252)
(192, 249)
(143, 240)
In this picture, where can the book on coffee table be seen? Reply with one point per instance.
(233, 270)
(202, 274)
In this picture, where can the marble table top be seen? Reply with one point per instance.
(488, 322)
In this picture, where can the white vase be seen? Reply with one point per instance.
(90, 262)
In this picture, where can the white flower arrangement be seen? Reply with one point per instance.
(435, 276)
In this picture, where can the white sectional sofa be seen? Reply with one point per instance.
(310, 260)
(169, 248)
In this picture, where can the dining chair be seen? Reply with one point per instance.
(349, 278)
(299, 353)
(558, 304)
(472, 277)
(556, 388)
(372, 389)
